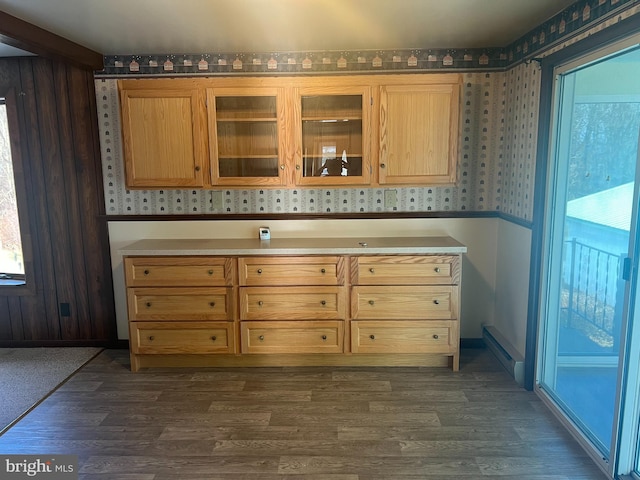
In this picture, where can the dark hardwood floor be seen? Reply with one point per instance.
(301, 423)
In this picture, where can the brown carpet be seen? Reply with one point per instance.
(28, 375)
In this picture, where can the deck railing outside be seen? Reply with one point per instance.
(592, 290)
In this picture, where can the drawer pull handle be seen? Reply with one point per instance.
(435, 336)
(372, 270)
(210, 272)
(148, 304)
(151, 338)
(212, 304)
(214, 338)
(323, 271)
(324, 337)
(371, 302)
(146, 272)
(261, 338)
(260, 303)
(437, 269)
(437, 302)
(372, 337)
(323, 302)
(259, 271)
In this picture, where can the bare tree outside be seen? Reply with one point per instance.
(11, 260)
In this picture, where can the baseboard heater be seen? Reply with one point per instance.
(505, 352)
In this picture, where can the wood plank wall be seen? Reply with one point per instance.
(60, 154)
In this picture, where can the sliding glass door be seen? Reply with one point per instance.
(590, 239)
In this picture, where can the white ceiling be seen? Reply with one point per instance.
(126, 27)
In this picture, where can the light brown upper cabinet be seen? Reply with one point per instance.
(246, 136)
(241, 132)
(419, 127)
(164, 136)
(334, 135)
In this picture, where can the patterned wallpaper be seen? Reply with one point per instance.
(498, 132)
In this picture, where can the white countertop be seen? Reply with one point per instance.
(296, 246)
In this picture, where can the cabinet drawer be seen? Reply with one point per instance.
(181, 303)
(181, 337)
(169, 271)
(405, 302)
(407, 270)
(292, 337)
(292, 303)
(291, 271)
(404, 337)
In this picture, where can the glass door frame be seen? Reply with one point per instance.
(626, 418)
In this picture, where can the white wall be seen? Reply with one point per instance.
(512, 283)
(480, 235)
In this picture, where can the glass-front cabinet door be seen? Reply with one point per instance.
(334, 134)
(246, 137)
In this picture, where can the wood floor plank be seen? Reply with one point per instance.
(260, 476)
(506, 435)
(519, 465)
(257, 397)
(24, 431)
(417, 466)
(320, 386)
(130, 408)
(205, 419)
(249, 432)
(365, 448)
(179, 466)
(488, 448)
(355, 419)
(427, 396)
(317, 408)
(310, 423)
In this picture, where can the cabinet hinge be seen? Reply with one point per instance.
(372, 101)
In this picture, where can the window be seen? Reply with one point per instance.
(16, 266)
(11, 258)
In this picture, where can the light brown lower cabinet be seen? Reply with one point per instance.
(328, 310)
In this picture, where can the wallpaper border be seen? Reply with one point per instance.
(571, 22)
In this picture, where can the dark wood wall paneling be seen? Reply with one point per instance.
(63, 176)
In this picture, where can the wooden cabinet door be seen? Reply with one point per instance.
(419, 134)
(333, 132)
(247, 138)
(164, 135)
